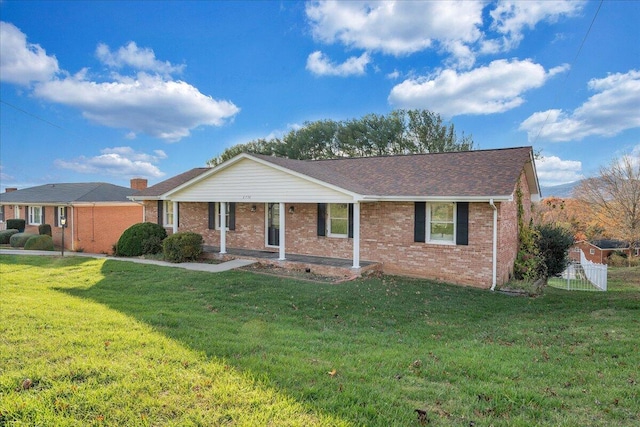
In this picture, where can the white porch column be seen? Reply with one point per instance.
(222, 222)
(282, 233)
(175, 217)
(356, 235)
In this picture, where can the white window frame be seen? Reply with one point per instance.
(2, 213)
(330, 218)
(32, 215)
(16, 212)
(592, 251)
(60, 215)
(453, 221)
(217, 217)
(167, 213)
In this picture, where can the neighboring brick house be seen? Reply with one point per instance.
(598, 251)
(446, 216)
(96, 213)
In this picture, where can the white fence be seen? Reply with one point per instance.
(585, 276)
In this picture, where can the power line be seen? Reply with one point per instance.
(32, 115)
(584, 39)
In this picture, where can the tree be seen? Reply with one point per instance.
(614, 197)
(399, 132)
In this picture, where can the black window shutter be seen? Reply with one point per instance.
(462, 223)
(56, 220)
(44, 208)
(66, 215)
(212, 215)
(160, 214)
(232, 216)
(350, 222)
(420, 222)
(322, 219)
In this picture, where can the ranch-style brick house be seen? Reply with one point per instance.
(444, 216)
(96, 213)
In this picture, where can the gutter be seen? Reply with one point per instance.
(495, 246)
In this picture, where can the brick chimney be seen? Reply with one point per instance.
(138, 183)
(10, 189)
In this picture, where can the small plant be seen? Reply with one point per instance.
(5, 235)
(16, 223)
(140, 239)
(18, 240)
(181, 247)
(42, 242)
(45, 229)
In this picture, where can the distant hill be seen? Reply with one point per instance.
(563, 190)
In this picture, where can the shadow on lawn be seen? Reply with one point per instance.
(359, 350)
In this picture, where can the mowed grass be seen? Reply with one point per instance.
(116, 343)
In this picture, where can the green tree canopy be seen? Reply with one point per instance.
(399, 132)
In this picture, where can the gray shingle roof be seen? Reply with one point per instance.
(66, 193)
(452, 174)
(167, 185)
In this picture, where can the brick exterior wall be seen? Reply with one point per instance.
(386, 237)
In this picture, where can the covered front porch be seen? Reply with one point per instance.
(325, 266)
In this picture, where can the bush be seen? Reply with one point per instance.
(42, 242)
(45, 229)
(140, 239)
(529, 264)
(18, 240)
(17, 224)
(554, 243)
(181, 247)
(5, 235)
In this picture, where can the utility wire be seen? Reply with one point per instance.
(584, 39)
(32, 115)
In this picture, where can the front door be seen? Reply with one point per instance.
(273, 224)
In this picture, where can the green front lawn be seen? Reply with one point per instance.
(106, 342)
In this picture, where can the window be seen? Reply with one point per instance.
(167, 217)
(35, 215)
(16, 212)
(2, 213)
(226, 216)
(60, 210)
(441, 222)
(338, 224)
(592, 251)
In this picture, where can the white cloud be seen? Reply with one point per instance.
(318, 63)
(143, 59)
(117, 161)
(495, 88)
(453, 28)
(165, 109)
(613, 109)
(511, 17)
(396, 27)
(21, 62)
(148, 102)
(554, 171)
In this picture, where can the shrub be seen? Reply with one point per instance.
(17, 224)
(5, 235)
(45, 229)
(554, 243)
(140, 239)
(42, 242)
(180, 247)
(19, 239)
(529, 264)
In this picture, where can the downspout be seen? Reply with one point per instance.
(495, 246)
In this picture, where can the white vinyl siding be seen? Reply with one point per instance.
(249, 181)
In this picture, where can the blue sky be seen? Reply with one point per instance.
(108, 91)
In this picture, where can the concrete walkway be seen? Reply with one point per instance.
(194, 266)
